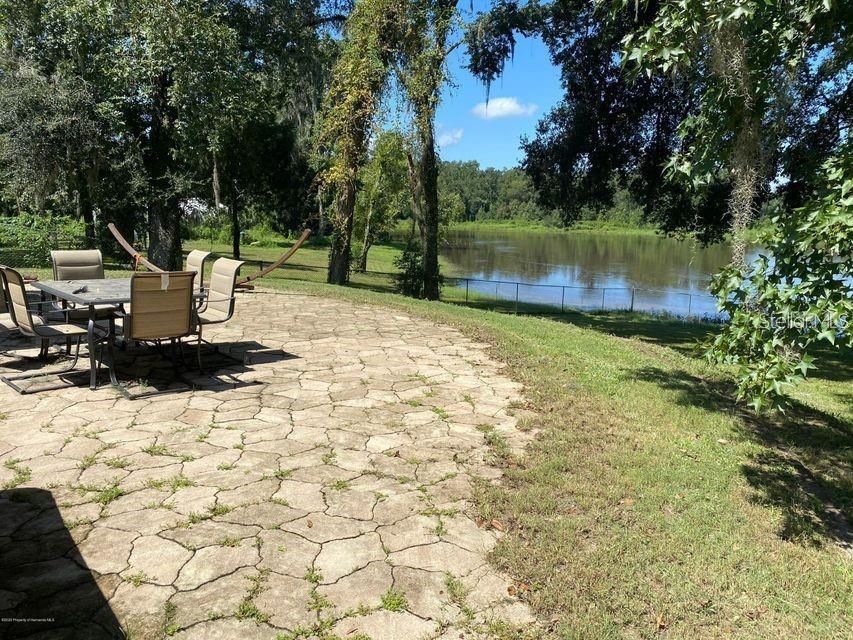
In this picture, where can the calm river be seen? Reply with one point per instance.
(589, 270)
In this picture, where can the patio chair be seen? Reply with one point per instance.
(195, 262)
(161, 306)
(6, 323)
(36, 326)
(219, 306)
(77, 264)
(81, 265)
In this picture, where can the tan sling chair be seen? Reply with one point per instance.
(7, 325)
(161, 308)
(219, 306)
(195, 262)
(37, 326)
(85, 264)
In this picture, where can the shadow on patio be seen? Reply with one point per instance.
(46, 589)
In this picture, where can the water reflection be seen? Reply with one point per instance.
(661, 273)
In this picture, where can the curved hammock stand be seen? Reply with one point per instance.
(138, 259)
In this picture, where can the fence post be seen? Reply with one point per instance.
(603, 290)
(689, 303)
(633, 290)
(516, 298)
(466, 289)
(563, 301)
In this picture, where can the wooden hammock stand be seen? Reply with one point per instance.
(139, 259)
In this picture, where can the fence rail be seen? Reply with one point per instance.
(548, 298)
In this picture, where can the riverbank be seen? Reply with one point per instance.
(529, 226)
(650, 502)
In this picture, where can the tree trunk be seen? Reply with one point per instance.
(416, 187)
(339, 254)
(164, 212)
(164, 234)
(217, 198)
(428, 170)
(366, 242)
(86, 211)
(235, 228)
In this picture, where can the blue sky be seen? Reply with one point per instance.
(491, 134)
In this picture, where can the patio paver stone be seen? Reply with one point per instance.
(325, 491)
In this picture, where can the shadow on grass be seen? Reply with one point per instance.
(680, 335)
(48, 591)
(805, 470)
(688, 338)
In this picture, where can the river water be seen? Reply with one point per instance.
(588, 270)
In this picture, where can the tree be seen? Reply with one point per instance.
(761, 79)
(174, 83)
(384, 191)
(794, 297)
(607, 134)
(50, 139)
(358, 79)
(422, 74)
(278, 78)
(754, 57)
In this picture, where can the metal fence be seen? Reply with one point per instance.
(523, 297)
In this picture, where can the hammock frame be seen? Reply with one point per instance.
(139, 259)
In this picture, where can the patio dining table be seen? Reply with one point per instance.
(91, 294)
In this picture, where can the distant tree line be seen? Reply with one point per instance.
(511, 194)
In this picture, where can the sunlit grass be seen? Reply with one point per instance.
(650, 502)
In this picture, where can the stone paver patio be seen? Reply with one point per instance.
(325, 494)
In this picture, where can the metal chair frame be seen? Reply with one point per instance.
(11, 381)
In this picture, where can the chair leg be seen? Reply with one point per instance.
(111, 366)
(181, 353)
(198, 349)
(10, 380)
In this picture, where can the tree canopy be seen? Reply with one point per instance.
(165, 89)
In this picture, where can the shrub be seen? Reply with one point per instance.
(410, 280)
(32, 237)
(263, 235)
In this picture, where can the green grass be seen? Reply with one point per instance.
(649, 501)
(393, 600)
(310, 262)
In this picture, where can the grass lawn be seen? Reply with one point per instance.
(312, 259)
(650, 505)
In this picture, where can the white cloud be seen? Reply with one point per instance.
(503, 108)
(449, 138)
